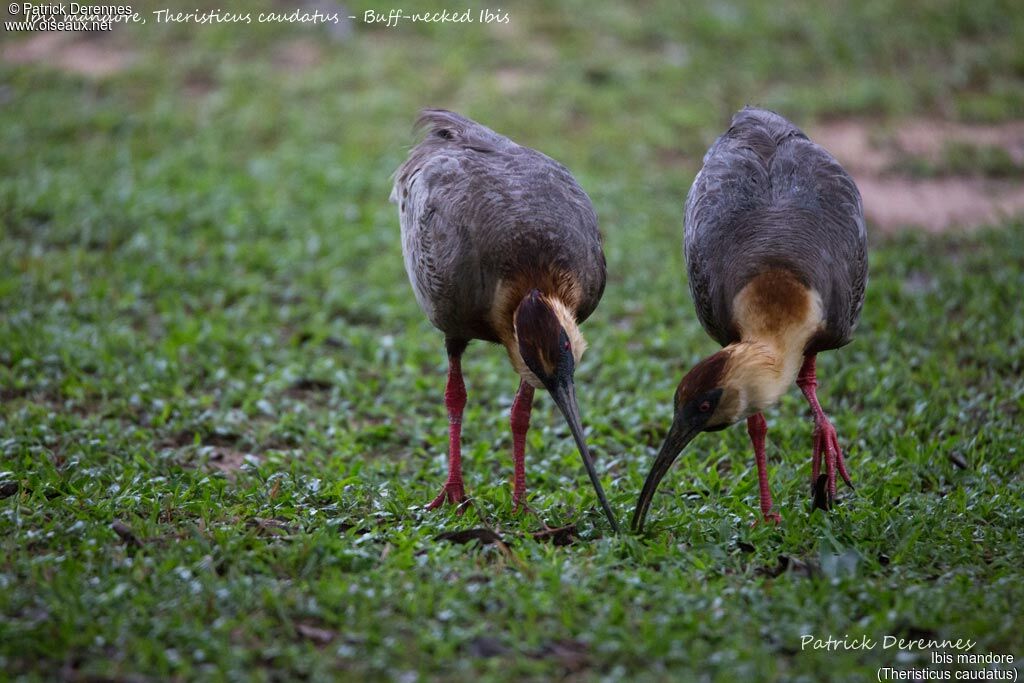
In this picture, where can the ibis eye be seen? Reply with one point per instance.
(705, 406)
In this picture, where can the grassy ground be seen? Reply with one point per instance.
(221, 408)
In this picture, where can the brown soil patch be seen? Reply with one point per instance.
(90, 55)
(871, 152)
(227, 460)
(938, 204)
(926, 138)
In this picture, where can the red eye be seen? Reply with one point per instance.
(566, 345)
(705, 406)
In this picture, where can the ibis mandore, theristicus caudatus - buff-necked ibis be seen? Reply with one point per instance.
(501, 244)
(776, 252)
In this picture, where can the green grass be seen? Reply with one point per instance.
(964, 159)
(208, 342)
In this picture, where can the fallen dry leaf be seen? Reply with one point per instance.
(565, 535)
(481, 535)
(320, 636)
(126, 534)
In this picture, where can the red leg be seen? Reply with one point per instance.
(455, 400)
(520, 421)
(757, 428)
(826, 442)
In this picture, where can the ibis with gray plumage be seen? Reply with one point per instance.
(776, 253)
(501, 244)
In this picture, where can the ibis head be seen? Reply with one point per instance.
(550, 345)
(740, 380)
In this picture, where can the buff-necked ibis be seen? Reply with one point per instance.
(776, 253)
(501, 244)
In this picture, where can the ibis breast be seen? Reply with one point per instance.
(481, 214)
(769, 199)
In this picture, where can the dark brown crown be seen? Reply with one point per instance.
(539, 333)
(705, 375)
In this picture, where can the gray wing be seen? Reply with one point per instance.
(768, 197)
(475, 209)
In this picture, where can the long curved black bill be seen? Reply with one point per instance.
(675, 442)
(565, 399)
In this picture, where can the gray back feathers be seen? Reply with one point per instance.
(477, 209)
(767, 197)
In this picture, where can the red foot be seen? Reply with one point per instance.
(520, 507)
(519, 420)
(770, 517)
(826, 443)
(455, 400)
(757, 428)
(454, 493)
